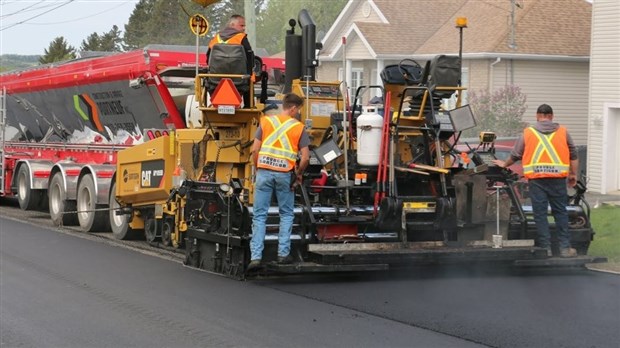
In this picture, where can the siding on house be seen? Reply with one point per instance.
(328, 71)
(560, 84)
(478, 74)
(356, 49)
(347, 22)
(604, 89)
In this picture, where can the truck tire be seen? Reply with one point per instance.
(120, 223)
(58, 203)
(28, 198)
(90, 220)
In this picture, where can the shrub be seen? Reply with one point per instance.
(500, 111)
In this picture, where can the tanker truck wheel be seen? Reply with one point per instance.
(120, 223)
(90, 219)
(28, 198)
(58, 203)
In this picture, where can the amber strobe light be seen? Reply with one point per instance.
(461, 22)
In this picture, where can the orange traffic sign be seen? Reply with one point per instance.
(198, 24)
(226, 94)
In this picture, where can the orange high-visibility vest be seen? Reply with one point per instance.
(233, 40)
(545, 155)
(280, 143)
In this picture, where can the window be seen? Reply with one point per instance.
(357, 79)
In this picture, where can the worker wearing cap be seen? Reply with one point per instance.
(549, 159)
(277, 144)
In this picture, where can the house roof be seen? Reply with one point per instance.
(420, 27)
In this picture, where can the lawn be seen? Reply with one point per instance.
(607, 238)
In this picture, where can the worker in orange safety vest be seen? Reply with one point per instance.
(550, 161)
(234, 34)
(277, 144)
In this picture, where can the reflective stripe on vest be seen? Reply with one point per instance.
(280, 157)
(286, 150)
(233, 40)
(549, 158)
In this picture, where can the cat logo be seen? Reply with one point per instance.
(152, 174)
(146, 178)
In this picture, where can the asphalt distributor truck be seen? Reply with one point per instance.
(383, 190)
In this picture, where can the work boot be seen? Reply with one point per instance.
(254, 264)
(568, 252)
(285, 260)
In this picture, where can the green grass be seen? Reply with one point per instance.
(607, 238)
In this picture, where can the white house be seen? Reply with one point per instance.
(542, 46)
(604, 112)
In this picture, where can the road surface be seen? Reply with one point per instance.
(57, 290)
(69, 289)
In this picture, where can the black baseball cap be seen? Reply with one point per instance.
(545, 109)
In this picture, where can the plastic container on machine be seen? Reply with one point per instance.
(369, 125)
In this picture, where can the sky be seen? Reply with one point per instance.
(28, 26)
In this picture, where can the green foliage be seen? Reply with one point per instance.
(272, 23)
(500, 111)
(135, 29)
(167, 21)
(106, 42)
(15, 61)
(607, 238)
(58, 50)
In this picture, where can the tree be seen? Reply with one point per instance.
(106, 42)
(58, 50)
(111, 41)
(500, 111)
(91, 43)
(167, 21)
(272, 22)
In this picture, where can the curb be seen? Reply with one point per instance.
(602, 270)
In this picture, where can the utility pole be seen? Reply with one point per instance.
(249, 10)
(513, 9)
(513, 43)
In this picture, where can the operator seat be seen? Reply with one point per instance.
(441, 71)
(229, 59)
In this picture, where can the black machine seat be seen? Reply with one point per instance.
(441, 71)
(229, 59)
(394, 74)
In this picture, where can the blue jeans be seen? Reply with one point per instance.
(550, 192)
(267, 182)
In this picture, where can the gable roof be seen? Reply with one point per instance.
(425, 27)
